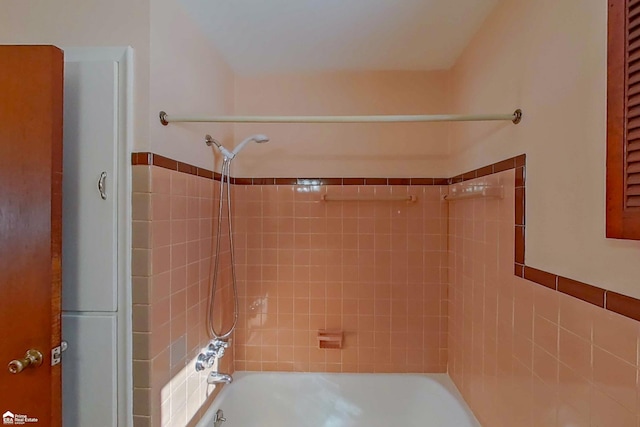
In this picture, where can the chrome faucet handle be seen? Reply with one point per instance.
(219, 347)
(221, 343)
(214, 350)
(203, 362)
(211, 350)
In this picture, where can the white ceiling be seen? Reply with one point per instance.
(283, 36)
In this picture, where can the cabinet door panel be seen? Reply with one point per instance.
(90, 221)
(89, 370)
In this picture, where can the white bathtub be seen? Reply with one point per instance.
(273, 399)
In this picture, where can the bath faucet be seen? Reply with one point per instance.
(214, 351)
(216, 377)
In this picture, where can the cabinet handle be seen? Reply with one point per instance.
(102, 185)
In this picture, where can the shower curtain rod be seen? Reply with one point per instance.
(515, 118)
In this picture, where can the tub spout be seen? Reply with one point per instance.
(219, 378)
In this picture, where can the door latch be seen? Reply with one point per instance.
(56, 353)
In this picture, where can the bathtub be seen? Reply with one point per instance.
(283, 399)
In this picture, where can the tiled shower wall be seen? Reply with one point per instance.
(414, 286)
(172, 240)
(376, 270)
(520, 353)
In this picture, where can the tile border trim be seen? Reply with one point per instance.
(609, 300)
(151, 159)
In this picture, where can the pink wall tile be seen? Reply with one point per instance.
(421, 287)
(373, 269)
(553, 360)
(615, 377)
(176, 211)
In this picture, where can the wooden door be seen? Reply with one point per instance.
(31, 93)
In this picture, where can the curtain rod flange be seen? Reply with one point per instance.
(517, 116)
(163, 118)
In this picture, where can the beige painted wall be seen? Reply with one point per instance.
(549, 58)
(188, 76)
(344, 150)
(176, 68)
(86, 23)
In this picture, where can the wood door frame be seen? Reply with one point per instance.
(124, 57)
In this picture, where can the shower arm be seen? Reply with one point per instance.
(209, 140)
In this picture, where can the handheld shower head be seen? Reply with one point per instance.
(259, 138)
